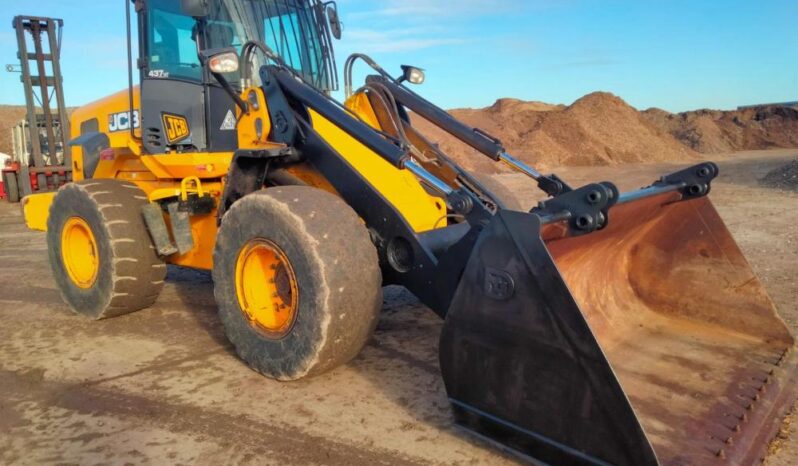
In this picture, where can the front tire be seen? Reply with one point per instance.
(297, 281)
(101, 254)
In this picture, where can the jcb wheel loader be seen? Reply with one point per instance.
(599, 328)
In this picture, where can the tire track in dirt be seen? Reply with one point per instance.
(280, 441)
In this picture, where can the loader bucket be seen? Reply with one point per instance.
(648, 342)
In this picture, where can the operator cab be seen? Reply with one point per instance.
(185, 108)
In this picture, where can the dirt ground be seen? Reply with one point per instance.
(163, 385)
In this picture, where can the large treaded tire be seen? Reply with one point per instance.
(130, 275)
(336, 268)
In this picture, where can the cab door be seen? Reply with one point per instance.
(182, 108)
(172, 90)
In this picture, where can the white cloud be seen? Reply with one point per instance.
(431, 9)
(399, 40)
(410, 25)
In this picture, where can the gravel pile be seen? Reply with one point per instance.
(785, 177)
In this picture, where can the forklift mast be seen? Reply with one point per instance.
(39, 53)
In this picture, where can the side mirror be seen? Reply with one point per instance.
(413, 75)
(335, 21)
(220, 61)
(195, 8)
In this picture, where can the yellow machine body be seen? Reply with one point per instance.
(161, 175)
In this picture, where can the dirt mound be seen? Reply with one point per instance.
(713, 131)
(598, 129)
(9, 116)
(785, 178)
(516, 105)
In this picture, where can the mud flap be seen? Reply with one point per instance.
(520, 363)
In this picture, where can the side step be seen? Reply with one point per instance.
(181, 229)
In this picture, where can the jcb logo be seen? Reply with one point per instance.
(121, 121)
(176, 128)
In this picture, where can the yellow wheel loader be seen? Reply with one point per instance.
(598, 328)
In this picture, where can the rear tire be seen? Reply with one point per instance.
(332, 266)
(499, 190)
(114, 269)
(11, 187)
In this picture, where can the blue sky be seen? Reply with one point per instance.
(673, 54)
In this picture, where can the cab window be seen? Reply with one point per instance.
(172, 44)
(293, 36)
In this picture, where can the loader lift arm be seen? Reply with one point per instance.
(408, 259)
(425, 263)
(474, 137)
(564, 205)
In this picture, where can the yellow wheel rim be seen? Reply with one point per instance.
(79, 253)
(266, 287)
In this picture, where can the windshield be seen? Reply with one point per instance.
(295, 29)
